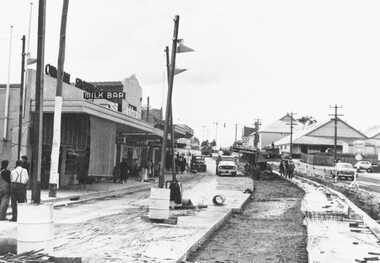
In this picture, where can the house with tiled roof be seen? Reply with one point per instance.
(320, 138)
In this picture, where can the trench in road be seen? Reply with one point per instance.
(269, 230)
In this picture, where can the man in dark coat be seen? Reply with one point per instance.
(5, 177)
(124, 171)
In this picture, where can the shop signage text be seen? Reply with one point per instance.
(52, 72)
(107, 95)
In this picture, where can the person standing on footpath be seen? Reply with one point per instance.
(292, 167)
(124, 171)
(26, 165)
(5, 177)
(286, 170)
(19, 179)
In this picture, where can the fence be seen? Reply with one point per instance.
(328, 160)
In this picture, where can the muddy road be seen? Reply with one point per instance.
(269, 230)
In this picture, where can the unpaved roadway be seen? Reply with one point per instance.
(269, 230)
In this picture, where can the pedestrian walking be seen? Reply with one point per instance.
(5, 177)
(282, 168)
(292, 167)
(124, 171)
(19, 178)
(149, 166)
(286, 170)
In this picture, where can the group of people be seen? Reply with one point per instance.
(13, 186)
(287, 168)
(181, 162)
(125, 170)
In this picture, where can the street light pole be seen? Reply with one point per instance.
(21, 98)
(168, 104)
(171, 118)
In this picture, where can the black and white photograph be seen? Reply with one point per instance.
(189, 131)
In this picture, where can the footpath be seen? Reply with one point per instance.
(142, 241)
(84, 193)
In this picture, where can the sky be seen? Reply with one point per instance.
(252, 59)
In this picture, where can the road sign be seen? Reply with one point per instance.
(358, 157)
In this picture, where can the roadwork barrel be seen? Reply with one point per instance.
(159, 203)
(35, 227)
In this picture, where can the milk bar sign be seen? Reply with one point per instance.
(107, 95)
(97, 92)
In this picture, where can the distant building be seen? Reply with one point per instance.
(247, 131)
(133, 96)
(320, 138)
(274, 132)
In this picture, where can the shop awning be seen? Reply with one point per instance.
(126, 123)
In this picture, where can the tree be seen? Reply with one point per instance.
(307, 120)
(213, 143)
(205, 143)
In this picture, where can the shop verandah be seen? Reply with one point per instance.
(91, 144)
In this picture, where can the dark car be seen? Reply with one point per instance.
(198, 163)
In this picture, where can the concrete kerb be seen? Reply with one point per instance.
(65, 201)
(373, 226)
(214, 228)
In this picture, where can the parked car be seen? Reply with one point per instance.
(344, 170)
(364, 165)
(198, 163)
(226, 165)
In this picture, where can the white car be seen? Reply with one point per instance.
(364, 165)
(344, 170)
(226, 166)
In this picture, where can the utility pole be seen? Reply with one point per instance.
(147, 109)
(6, 110)
(54, 175)
(28, 57)
(168, 102)
(236, 131)
(291, 133)
(38, 116)
(257, 125)
(21, 98)
(216, 132)
(171, 119)
(336, 107)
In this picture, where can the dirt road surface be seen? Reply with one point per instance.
(269, 230)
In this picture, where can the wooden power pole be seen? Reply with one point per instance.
(39, 98)
(54, 175)
(335, 127)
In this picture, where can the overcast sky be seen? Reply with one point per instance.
(253, 59)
